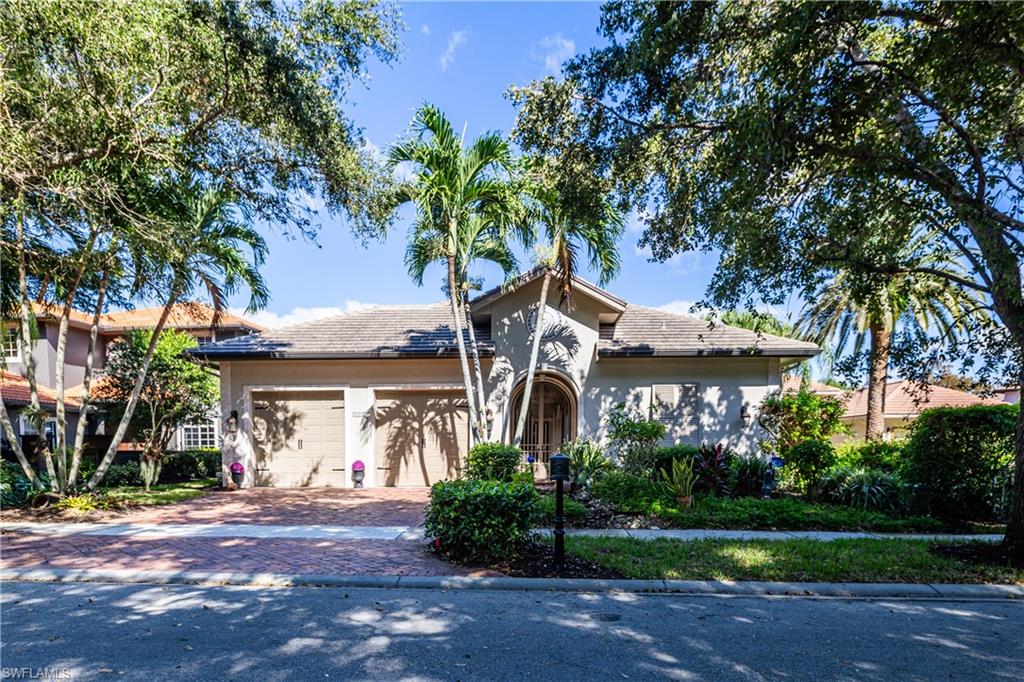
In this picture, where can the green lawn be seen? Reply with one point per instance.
(860, 561)
(162, 493)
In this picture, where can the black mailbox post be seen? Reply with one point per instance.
(559, 472)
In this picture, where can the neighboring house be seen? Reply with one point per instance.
(17, 397)
(193, 318)
(902, 403)
(1007, 394)
(384, 386)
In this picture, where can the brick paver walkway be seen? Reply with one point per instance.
(263, 555)
(280, 507)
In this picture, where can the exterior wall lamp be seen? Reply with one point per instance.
(233, 422)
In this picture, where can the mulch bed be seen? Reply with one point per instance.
(984, 553)
(538, 561)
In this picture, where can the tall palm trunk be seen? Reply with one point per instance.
(59, 365)
(83, 408)
(538, 332)
(475, 352)
(453, 296)
(133, 400)
(28, 358)
(881, 340)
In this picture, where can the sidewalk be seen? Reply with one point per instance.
(415, 533)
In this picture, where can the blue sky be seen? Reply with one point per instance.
(461, 57)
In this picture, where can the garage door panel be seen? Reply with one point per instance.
(299, 437)
(420, 438)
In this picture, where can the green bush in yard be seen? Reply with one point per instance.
(480, 521)
(189, 465)
(634, 440)
(748, 472)
(587, 461)
(15, 489)
(960, 459)
(120, 475)
(871, 454)
(807, 461)
(493, 462)
(633, 494)
(867, 489)
(664, 456)
(572, 511)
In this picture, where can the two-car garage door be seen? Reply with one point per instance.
(299, 437)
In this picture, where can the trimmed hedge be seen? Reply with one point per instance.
(189, 465)
(493, 462)
(481, 521)
(871, 454)
(960, 459)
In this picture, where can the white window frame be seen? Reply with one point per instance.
(198, 432)
(12, 344)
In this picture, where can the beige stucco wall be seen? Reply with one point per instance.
(726, 384)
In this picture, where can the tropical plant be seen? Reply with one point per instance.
(177, 390)
(565, 235)
(588, 462)
(866, 489)
(792, 418)
(493, 462)
(713, 468)
(749, 472)
(208, 253)
(913, 301)
(451, 186)
(680, 477)
(634, 440)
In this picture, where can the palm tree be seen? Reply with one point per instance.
(564, 237)
(480, 239)
(452, 184)
(916, 302)
(207, 253)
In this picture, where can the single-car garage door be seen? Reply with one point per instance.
(299, 438)
(420, 438)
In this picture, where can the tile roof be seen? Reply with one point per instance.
(792, 383)
(188, 315)
(15, 391)
(908, 398)
(413, 331)
(425, 331)
(643, 331)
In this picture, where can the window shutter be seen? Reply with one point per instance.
(677, 406)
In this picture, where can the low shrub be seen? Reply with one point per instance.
(748, 474)
(713, 469)
(680, 477)
(807, 461)
(664, 456)
(959, 459)
(125, 474)
(867, 489)
(634, 440)
(794, 418)
(15, 488)
(588, 462)
(572, 511)
(480, 521)
(871, 454)
(86, 502)
(524, 474)
(493, 462)
(189, 465)
(633, 494)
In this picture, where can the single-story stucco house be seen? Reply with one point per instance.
(383, 385)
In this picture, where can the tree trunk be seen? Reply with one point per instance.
(83, 409)
(26, 467)
(881, 340)
(538, 332)
(1014, 539)
(475, 352)
(27, 357)
(59, 364)
(453, 296)
(133, 400)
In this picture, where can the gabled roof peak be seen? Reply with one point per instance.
(582, 286)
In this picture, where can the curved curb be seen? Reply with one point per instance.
(685, 587)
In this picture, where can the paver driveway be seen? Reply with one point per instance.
(260, 506)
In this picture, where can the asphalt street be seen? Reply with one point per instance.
(145, 632)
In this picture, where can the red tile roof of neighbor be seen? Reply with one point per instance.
(792, 383)
(15, 390)
(908, 399)
(188, 315)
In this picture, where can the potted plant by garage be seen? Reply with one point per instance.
(237, 473)
(679, 477)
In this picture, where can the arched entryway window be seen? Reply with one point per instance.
(551, 419)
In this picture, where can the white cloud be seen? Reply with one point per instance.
(456, 39)
(682, 307)
(404, 172)
(425, 29)
(553, 50)
(299, 314)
